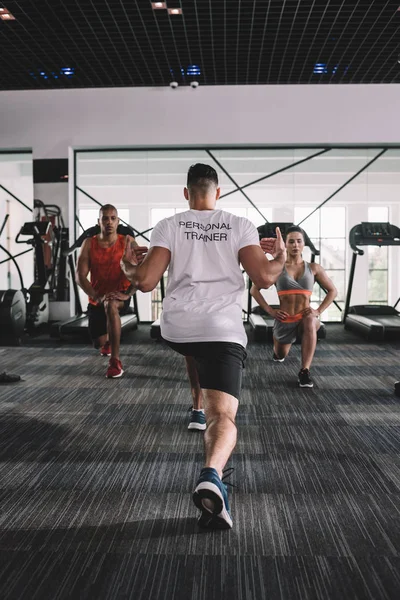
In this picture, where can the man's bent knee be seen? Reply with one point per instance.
(220, 404)
(111, 306)
(218, 417)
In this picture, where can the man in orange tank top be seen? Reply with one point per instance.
(109, 290)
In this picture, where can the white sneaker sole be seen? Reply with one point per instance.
(278, 360)
(197, 426)
(208, 498)
(304, 385)
(115, 376)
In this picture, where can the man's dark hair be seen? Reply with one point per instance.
(107, 207)
(295, 229)
(201, 177)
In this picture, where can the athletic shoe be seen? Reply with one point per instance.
(197, 420)
(9, 378)
(211, 497)
(114, 368)
(276, 358)
(305, 379)
(106, 349)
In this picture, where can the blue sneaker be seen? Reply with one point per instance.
(197, 420)
(211, 497)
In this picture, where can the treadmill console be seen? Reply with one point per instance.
(35, 228)
(374, 231)
(268, 231)
(374, 234)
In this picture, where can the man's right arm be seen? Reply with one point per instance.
(82, 271)
(263, 272)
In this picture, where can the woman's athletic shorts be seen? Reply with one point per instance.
(285, 333)
(219, 364)
(98, 318)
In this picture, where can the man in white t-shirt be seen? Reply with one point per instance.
(202, 313)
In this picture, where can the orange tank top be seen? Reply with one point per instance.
(105, 271)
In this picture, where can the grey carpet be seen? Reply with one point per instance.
(96, 477)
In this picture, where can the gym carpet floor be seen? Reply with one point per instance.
(97, 475)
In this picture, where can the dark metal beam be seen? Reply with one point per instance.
(146, 231)
(299, 162)
(344, 185)
(15, 197)
(100, 204)
(79, 223)
(16, 255)
(234, 182)
(4, 224)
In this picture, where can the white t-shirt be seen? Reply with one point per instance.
(205, 283)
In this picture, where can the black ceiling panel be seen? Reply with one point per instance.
(114, 43)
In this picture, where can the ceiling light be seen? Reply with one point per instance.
(158, 5)
(67, 71)
(174, 11)
(7, 16)
(193, 70)
(3, 10)
(320, 68)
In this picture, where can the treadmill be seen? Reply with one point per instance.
(155, 329)
(374, 321)
(78, 324)
(261, 322)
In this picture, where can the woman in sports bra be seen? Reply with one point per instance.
(295, 314)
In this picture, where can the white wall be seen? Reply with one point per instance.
(51, 121)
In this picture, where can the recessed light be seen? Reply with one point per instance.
(174, 11)
(7, 16)
(158, 5)
(193, 70)
(320, 68)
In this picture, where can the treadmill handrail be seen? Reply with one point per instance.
(92, 231)
(352, 243)
(307, 241)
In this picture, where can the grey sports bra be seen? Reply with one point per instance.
(286, 284)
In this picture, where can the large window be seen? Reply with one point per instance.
(378, 261)
(285, 184)
(327, 230)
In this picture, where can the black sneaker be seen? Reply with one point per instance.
(305, 379)
(9, 378)
(276, 358)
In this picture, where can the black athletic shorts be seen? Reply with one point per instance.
(98, 319)
(219, 364)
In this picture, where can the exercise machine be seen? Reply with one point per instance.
(12, 306)
(78, 324)
(262, 323)
(374, 321)
(27, 310)
(155, 328)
